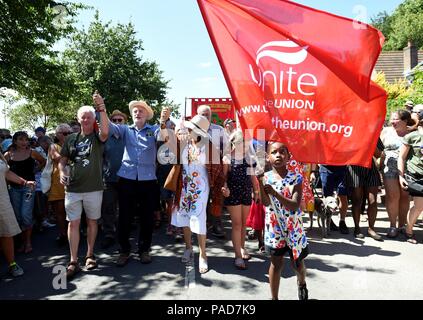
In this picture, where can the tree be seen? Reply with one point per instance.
(405, 24)
(383, 22)
(28, 31)
(106, 58)
(401, 90)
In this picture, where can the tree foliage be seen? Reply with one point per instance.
(107, 58)
(403, 25)
(28, 31)
(402, 90)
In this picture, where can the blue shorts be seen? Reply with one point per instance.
(333, 180)
(22, 199)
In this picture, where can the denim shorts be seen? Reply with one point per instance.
(333, 180)
(22, 199)
(390, 171)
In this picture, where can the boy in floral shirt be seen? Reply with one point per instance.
(281, 193)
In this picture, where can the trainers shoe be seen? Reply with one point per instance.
(333, 226)
(187, 256)
(358, 234)
(217, 231)
(122, 260)
(343, 227)
(303, 293)
(46, 224)
(145, 258)
(15, 270)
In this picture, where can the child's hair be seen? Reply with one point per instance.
(269, 143)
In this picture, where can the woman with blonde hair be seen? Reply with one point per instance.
(238, 190)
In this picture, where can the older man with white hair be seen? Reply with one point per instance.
(219, 138)
(81, 171)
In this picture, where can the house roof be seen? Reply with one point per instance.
(392, 64)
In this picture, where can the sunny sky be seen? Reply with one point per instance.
(174, 35)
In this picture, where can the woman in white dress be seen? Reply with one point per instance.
(192, 195)
(8, 224)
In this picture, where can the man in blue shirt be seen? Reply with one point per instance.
(137, 178)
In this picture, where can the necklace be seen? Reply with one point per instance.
(193, 153)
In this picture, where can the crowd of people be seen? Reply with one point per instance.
(100, 168)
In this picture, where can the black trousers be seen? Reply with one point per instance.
(131, 193)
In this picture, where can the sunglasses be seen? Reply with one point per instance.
(117, 120)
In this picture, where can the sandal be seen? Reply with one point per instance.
(240, 264)
(90, 262)
(72, 269)
(392, 233)
(411, 238)
(202, 265)
(245, 255)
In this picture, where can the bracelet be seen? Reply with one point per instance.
(24, 183)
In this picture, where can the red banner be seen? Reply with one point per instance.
(222, 108)
(302, 75)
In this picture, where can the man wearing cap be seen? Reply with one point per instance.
(409, 105)
(112, 160)
(137, 178)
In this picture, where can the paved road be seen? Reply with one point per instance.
(339, 267)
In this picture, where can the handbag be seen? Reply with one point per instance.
(45, 179)
(255, 218)
(171, 183)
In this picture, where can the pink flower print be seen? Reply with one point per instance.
(295, 253)
(281, 244)
(273, 221)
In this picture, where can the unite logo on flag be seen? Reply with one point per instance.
(283, 79)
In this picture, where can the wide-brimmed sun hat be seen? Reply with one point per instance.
(143, 104)
(409, 104)
(118, 113)
(199, 124)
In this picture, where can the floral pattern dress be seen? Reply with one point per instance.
(283, 227)
(307, 202)
(192, 211)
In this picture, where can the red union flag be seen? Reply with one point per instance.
(302, 75)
